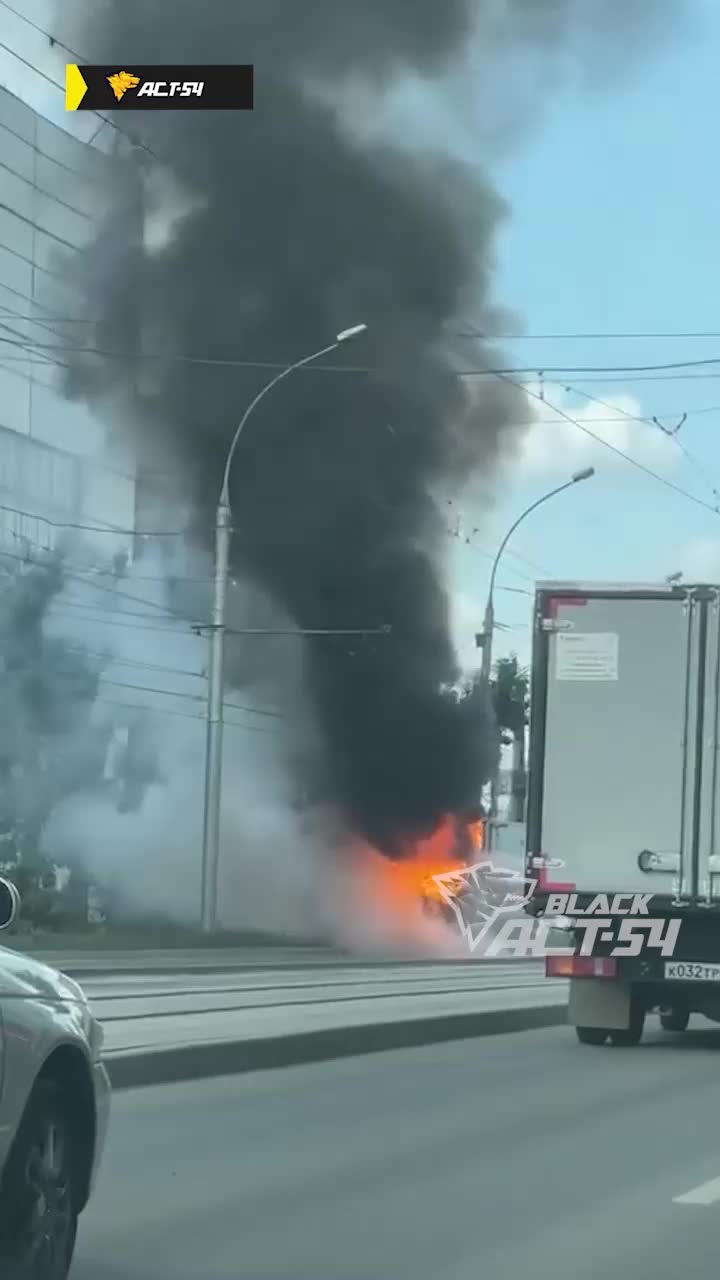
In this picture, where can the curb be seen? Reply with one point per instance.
(235, 1057)
(240, 966)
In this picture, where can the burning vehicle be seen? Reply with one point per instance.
(468, 836)
(409, 896)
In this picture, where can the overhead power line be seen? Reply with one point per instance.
(634, 462)
(709, 334)
(655, 425)
(94, 528)
(165, 693)
(469, 539)
(25, 62)
(90, 580)
(31, 262)
(47, 360)
(41, 320)
(532, 376)
(710, 362)
(104, 611)
(44, 192)
(78, 58)
(173, 624)
(600, 368)
(44, 155)
(584, 337)
(112, 660)
(168, 711)
(36, 226)
(58, 319)
(653, 377)
(117, 622)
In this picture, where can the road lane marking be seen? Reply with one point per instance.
(706, 1193)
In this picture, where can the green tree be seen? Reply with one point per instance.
(511, 703)
(48, 744)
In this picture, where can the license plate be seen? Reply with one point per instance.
(688, 971)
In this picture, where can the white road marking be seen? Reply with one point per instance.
(706, 1193)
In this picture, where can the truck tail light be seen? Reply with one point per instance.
(580, 967)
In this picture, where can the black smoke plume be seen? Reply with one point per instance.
(299, 230)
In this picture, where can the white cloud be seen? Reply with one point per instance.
(554, 444)
(466, 619)
(698, 559)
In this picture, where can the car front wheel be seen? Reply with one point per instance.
(38, 1216)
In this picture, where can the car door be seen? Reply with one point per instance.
(9, 904)
(5, 1126)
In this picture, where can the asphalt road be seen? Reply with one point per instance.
(513, 1156)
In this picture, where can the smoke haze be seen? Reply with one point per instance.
(295, 228)
(126, 808)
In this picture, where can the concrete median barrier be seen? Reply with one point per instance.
(194, 1022)
(197, 1061)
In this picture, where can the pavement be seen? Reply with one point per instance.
(524, 1155)
(177, 1025)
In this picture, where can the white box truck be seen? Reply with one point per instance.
(623, 818)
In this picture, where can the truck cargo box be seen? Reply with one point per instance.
(623, 761)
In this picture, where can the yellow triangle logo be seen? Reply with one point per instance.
(75, 87)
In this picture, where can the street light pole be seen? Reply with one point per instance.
(216, 664)
(214, 730)
(486, 637)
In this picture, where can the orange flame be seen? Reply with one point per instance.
(476, 832)
(400, 888)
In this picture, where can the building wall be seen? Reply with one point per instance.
(55, 462)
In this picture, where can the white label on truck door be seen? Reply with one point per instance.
(586, 655)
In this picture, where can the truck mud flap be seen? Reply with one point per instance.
(598, 1003)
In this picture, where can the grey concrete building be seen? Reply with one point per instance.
(57, 465)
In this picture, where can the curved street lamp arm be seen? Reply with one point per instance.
(225, 491)
(528, 511)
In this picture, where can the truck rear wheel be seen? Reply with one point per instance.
(591, 1035)
(674, 1020)
(632, 1035)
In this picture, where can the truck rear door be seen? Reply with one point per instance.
(616, 739)
(708, 843)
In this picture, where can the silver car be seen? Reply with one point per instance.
(54, 1109)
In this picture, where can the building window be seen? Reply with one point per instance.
(52, 477)
(10, 446)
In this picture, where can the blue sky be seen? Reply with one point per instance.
(616, 210)
(615, 197)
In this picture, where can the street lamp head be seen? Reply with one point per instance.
(585, 474)
(351, 333)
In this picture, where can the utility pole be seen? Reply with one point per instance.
(136, 314)
(212, 808)
(216, 664)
